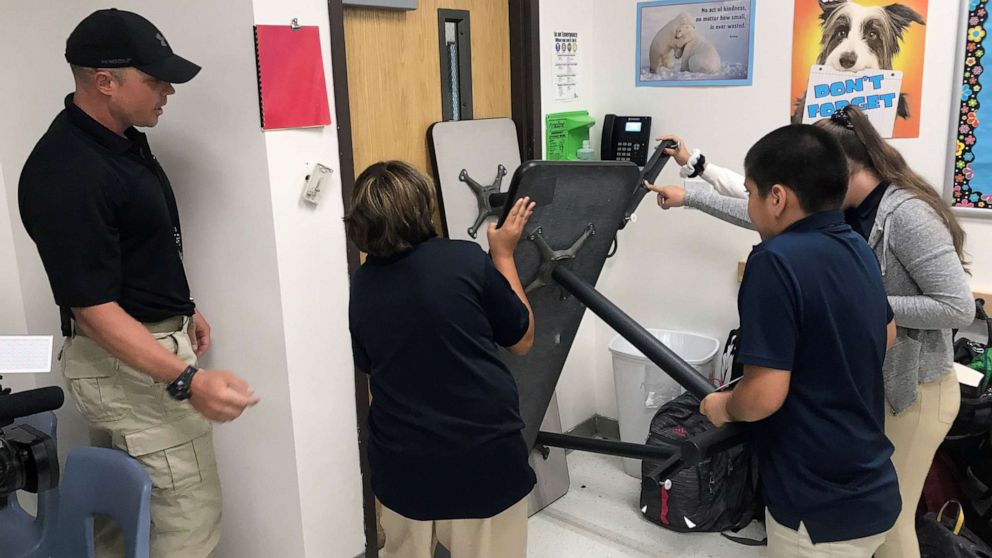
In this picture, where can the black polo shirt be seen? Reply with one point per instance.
(445, 430)
(862, 218)
(812, 302)
(103, 215)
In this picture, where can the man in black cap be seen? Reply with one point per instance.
(101, 210)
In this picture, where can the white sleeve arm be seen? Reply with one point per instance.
(724, 181)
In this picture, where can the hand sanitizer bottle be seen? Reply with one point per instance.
(585, 153)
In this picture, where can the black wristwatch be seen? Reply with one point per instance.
(179, 389)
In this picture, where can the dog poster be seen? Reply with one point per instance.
(695, 42)
(859, 37)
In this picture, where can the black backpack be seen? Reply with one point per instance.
(940, 538)
(974, 418)
(719, 494)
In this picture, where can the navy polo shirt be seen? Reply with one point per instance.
(812, 302)
(862, 218)
(445, 433)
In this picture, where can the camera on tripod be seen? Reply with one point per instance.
(28, 457)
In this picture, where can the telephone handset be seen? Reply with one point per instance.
(626, 138)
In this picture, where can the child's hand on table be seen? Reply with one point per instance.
(503, 240)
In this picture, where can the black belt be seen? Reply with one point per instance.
(167, 325)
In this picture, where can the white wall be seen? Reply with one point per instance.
(27, 106)
(577, 400)
(313, 275)
(11, 305)
(267, 273)
(12, 320)
(678, 269)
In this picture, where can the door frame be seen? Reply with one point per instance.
(525, 76)
(525, 100)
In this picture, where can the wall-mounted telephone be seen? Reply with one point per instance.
(626, 138)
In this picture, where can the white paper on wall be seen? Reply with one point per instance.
(25, 354)
(565, 65)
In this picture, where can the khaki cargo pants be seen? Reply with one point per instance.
(502, 536)
(169, 438)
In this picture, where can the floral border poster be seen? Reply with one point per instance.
(973, 157)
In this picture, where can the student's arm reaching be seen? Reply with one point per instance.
(725, 181)
(724, 198)
(769, 302)
(761, 394)
(733, 210)
(502, 243)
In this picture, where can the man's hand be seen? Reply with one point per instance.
(199, 333)
(714, 407)
(503, 241)
(668, 196)
(220, 396)
(681, 152)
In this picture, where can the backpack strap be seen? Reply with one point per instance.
(959, 522)
(745, 541)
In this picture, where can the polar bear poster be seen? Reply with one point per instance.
(667, 40)
(694, 42)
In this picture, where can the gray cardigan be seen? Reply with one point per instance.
(926, 284)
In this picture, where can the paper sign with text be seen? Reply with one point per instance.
(874, 91)
(25, 354)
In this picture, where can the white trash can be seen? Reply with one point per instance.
(642, 387)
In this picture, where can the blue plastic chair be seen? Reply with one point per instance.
(21, 534)
(100, 481)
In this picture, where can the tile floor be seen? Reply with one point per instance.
(598, 518)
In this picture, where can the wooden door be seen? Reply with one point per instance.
(394, 75)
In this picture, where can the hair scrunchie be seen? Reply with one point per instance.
(842, 118)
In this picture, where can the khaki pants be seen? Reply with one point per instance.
(169, 438)
(501, 536)
(786, 543)
(916, 433)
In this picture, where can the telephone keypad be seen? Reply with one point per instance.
(629, 151)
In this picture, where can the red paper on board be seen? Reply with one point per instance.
(292, 89)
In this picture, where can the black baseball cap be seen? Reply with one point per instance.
(115, 38)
